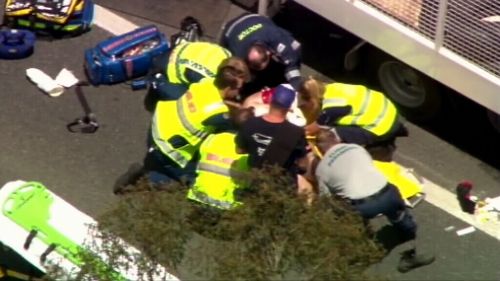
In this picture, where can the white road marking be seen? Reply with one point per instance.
(435, 195)
(447, 201)
(112, 22)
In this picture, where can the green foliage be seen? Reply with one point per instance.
(274, 236)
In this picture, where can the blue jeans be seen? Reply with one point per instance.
(163, 170)
(391, 204)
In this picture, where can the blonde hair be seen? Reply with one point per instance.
(312, 89)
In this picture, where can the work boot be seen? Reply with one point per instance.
(133, 174)
(410, 260)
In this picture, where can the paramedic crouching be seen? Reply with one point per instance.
(188, 63)
(271, 52)
(347, 171)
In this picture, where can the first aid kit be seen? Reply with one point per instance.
(125, 57)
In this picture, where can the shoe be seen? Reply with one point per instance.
(133, 174)
(189, 24)
(410, 260)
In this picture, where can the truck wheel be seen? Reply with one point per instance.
(417, 96)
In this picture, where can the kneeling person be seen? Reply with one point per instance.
(188, 63)
(347, 170)
(218, 171)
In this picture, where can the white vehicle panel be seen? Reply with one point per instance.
(413, 48)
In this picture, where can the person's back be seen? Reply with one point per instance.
(359, 115)
(271, 139)
(178, 127)
(185, 116)
(218, 171)
(243, 31)
(271, 143)
(370, 109)
(348, 171)
(190, 62)
(270, 51)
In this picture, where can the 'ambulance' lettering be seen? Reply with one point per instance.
(249, 31)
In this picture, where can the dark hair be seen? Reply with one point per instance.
(263, 51)
(240, 116)
(230, 72)
(325, 137)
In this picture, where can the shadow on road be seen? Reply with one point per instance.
(465, 124)
(389, 237)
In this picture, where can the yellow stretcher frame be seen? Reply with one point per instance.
(406, 180)
(75, 6)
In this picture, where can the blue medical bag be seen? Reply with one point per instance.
(125, 56)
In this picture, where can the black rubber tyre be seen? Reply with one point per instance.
(418, 97)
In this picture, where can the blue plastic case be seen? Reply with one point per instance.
(126, 56)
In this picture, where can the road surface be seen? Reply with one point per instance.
(82, 168)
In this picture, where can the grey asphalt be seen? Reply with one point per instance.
(82, 168)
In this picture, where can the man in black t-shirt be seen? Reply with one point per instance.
(271, 139)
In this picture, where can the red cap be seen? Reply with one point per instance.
(466, 184)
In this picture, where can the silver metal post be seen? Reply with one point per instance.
(441, 21)
(262, 9)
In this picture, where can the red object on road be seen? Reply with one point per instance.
(463, 190)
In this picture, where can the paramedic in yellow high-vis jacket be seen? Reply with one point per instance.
(187, 63)
(359, 115)
(178, 127)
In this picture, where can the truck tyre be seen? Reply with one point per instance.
(417, 96)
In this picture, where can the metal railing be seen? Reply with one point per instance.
(469, 28)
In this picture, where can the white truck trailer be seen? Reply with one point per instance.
(453, 42)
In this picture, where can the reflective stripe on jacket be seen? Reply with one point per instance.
(201, 57)
(371, 110)
(184, 118)
(218, 170)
